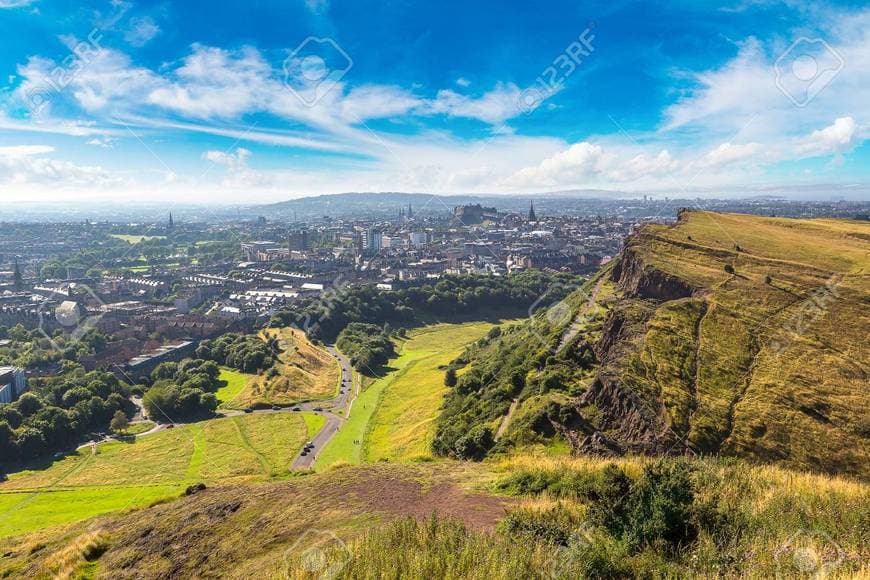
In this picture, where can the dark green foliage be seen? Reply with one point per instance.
(450, 377)
(475, 445)
(452, 297)
(368, 345)
(554, 525)
(58, 411)
(183, 390)
(656, 510)
(245, 352)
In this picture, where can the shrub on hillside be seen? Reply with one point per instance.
(368, 345)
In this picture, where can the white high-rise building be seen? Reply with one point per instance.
(12, 383)
(419, 239)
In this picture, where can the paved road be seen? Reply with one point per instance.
(330, 409)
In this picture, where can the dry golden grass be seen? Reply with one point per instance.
(780, 509)
(305, 372)
(769, 362)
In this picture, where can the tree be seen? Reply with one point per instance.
(119, 421)
(450, 377)
(28, 404)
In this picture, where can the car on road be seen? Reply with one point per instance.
(296, 409)
(276, 408)
(318, 409)
(171, 426)
(249, 410)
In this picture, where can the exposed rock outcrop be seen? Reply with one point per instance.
(640, 280)
(630, 424)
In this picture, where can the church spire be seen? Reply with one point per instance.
(17, 278)
(532, 216)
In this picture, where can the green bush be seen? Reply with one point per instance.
(555, 525)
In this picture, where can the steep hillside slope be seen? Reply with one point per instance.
(731, 334)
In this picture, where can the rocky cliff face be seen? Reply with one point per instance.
(640, 280)
(628, 423)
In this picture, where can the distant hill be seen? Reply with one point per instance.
(388, 204)
(721, 334)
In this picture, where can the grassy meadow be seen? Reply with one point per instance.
(519, 517)
(124, 475)
(234, 383)
(403, 423)
(135, 239)
(394, 415)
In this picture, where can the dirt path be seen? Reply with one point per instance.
(577, 324)
(507, 419)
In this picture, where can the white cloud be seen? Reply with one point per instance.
(728, 153)
(463, 82)
(22, 166)
(835, 139)
(580, 162)
(377, 102)
(732, 93)
(142, 30)
(22, 150)
(15, 3)
(239, 175)
(494, 107)
(104, 142)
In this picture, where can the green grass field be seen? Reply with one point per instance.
(138, 427)
(306, 372)
(404, 422)
(234, 383)
(120, 475)
(313, 423)
(135, 239)
(394, 415)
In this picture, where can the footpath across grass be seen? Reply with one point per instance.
(132, 474)
(393, 418)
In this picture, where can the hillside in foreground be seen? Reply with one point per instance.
(721, 334)
(526, 517)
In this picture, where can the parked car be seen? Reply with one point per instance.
(249, 410)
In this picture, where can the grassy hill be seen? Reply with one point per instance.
(303, 372)
(118, 476)
(528, 517)
(721, 334)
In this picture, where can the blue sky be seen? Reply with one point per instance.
(280, 98)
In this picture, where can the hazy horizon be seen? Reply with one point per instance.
(123, 101)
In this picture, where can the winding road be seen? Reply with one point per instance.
(336, 411)
(330, 409)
